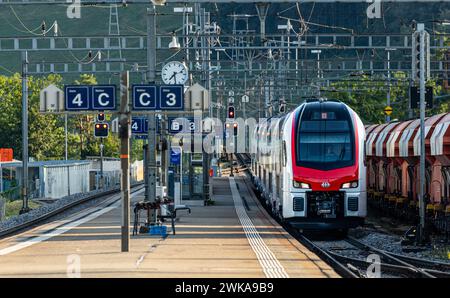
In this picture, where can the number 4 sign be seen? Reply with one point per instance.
(77, 98)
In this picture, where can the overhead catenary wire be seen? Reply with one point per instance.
(54, 25)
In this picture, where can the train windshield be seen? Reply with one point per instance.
(325, 138)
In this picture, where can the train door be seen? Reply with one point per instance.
(385, 177)
(398, 179)
(428, 179)
(264, 177)
(446, 184)
(411, 182)
(278, 188)
(270, 185)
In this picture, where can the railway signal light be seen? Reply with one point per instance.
(231, 113)
(101, 130)
(417, 41)
(235, 129)
(101, 117)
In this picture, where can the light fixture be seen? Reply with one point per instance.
(159, 2)
(55, 28)
(174, 44)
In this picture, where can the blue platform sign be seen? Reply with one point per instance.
(177, 125)
(137, 125)
(104, 97)
(140, 137)
(144, 97)
(158, 98)
(171, 97)
(90, 98)
(175, 156)
(77, 98)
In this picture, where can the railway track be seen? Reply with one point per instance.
(356, 264)
(359, 256)
(43, 218)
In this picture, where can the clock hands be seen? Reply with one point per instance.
(173, 76)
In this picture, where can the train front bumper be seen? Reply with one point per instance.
(295, 205)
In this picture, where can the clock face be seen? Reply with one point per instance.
(174, 73)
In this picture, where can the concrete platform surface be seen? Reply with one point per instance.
(224, 240)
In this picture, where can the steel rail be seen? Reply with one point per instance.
(339, 267)
(389, 257)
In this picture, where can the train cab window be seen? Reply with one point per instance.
(325, 138)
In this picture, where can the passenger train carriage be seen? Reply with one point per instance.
(309, 166)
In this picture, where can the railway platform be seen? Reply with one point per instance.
(235, 237)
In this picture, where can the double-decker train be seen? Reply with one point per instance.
(309, 168)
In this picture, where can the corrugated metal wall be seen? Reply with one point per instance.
(60, 181)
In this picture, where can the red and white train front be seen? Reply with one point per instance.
(309, 166)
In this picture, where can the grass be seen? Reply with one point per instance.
(13, 207)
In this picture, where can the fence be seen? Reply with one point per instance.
(2, 208)
(57, 179)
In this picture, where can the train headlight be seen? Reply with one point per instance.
(353, 184)
(301, 185)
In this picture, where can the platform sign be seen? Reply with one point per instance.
(175, 156)
(77, 98)
(144, 97)
(177, 125)
(104, 97)
(90, 98)
(158, 98)
(141, 137)
(137, 125)
(171, 97)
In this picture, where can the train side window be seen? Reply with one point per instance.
(284, 154)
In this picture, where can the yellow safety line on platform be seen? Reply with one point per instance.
(271, 266)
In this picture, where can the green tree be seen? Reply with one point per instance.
(82, 141)
(367, 96)
(46, 136)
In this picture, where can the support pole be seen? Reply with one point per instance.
(65, 137)
(151, 75)
(124, 133)
(25, 207)
(422, 136)
(101, 164)
(388, 100)
(262, 9)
